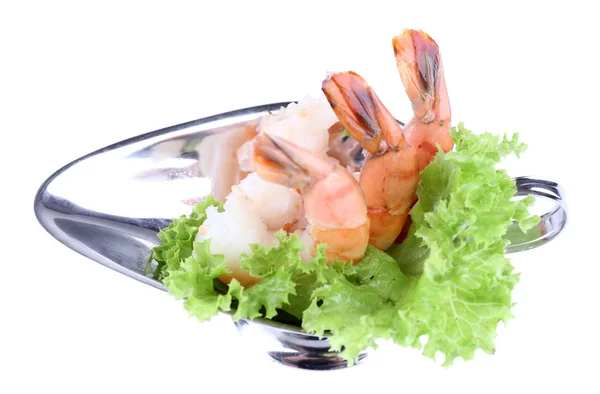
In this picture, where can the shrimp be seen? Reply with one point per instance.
(334, 204)
(390, 173)
(305, 123)
(420, 65)
(255, 208)
(253, 212)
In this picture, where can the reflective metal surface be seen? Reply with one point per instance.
(290, 346)
(550, 197)
(109, 206)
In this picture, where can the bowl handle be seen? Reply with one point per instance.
(551, 222)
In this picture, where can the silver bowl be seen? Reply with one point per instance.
(110, 204)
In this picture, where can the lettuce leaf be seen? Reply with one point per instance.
(288, 282)
(444, 289)
(279, 268)
(191, 272)
(461, 173)
(177, 240)
(193, 280)
(355, 304)
(452, 281)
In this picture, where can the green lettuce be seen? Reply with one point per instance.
(354, 306)
(444, 289)
(194, 280)
(452, 282)
(281, 270)
(190, 272)
(177, 240)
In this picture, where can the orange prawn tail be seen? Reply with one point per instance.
(420, 66)
(390, 175)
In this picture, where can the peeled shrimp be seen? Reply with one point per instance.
(253, 211)
(334, 204)
(420, 65)
(390, 174)
(305, 123)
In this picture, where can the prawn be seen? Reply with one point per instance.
(334, 204)
(390, 173)
(253, 212)
(421, 71)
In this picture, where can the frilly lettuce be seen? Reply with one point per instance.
(177, 240)
(448, 281)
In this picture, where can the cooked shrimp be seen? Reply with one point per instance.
(334, 204)
(390, 173)
(305, 123)
(420, 65)
(253, 211)
(278, 206)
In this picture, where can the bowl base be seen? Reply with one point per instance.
(314, 362)
(290, 346)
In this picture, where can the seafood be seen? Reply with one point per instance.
(300, 172)
(278, 206)
(420, 65)
(334, 204)
(390, 174)
(305, 123)
(253, 211)
(264, 200)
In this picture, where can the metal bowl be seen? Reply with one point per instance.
(110, 204)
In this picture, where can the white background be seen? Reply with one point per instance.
(77, 77)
